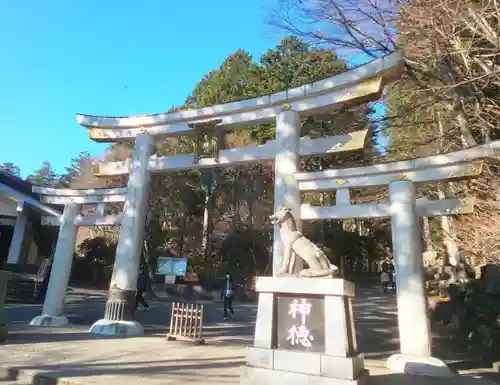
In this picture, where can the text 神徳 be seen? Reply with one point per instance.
(300, 334)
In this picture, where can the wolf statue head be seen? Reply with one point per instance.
(281, 215)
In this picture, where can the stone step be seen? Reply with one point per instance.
(405, 379)
(18, 376)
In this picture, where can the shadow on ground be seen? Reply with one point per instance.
(377, 332)
(401, 379)
(376, 323)
(375, 318)
(182, 369)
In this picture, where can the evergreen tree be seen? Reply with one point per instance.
(238, 200)
(44, 176)
(294, 63)
(229, 83)
(77, 166)
(11, 168)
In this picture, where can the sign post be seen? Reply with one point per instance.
(171, 268)
(169, 279)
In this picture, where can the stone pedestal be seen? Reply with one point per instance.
(304, 334)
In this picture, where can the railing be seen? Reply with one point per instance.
(40, 276)
(4, 279)
(186, 322)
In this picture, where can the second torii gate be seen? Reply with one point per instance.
(403, 208)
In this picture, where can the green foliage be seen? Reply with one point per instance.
(99, 251)
(175, 198)
(243, 252)
(45, 238)
(77, 166)
(11, 168)
(94, 260)
(236, 201)
(44, 176)
(229, 83)
(411, 121)
(291, 64)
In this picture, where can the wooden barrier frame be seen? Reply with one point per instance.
(40, 276)
(186, 322)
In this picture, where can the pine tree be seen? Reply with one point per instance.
(77, 166)
(11, 169)
(44, 176)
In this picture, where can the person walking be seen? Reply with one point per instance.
(384, 280)
(142, 287)
(227, 295)
(45, 283)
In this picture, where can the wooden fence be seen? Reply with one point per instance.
(186, 322)
(40, 276)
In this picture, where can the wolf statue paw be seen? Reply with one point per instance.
(312, 273)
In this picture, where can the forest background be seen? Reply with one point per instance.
(447, 99)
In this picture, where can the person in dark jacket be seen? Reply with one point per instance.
(142, 287)
(42, 292)
(227, 295)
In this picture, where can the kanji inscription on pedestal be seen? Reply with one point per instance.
(301, 323)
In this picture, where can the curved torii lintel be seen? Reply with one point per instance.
(67, 192)
(362, 84)
(454, 165)
(62, 196)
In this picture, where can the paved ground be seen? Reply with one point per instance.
(74, 354)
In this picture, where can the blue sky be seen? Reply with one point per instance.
(112, 57)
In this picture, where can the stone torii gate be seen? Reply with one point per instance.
(363, 84)
(360, 85)
(68, 222)
(403, 208)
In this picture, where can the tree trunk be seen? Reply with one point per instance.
(250, 201)
(323, 223)
(183, 228)
(210, 185)
(449, 235)
(145, 259)
(206, 243)
(235, 206)
(427, 234)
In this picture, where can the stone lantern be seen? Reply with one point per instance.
(207, 141)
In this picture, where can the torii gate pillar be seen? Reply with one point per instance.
(120, 307)
(53, 307)
(414, 328)
(286, 188)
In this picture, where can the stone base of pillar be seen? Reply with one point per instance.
(120, 305)
(49, 320)
(420, 366)
(119, 315)
(117, 328)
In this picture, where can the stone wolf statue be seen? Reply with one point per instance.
(298, 245)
